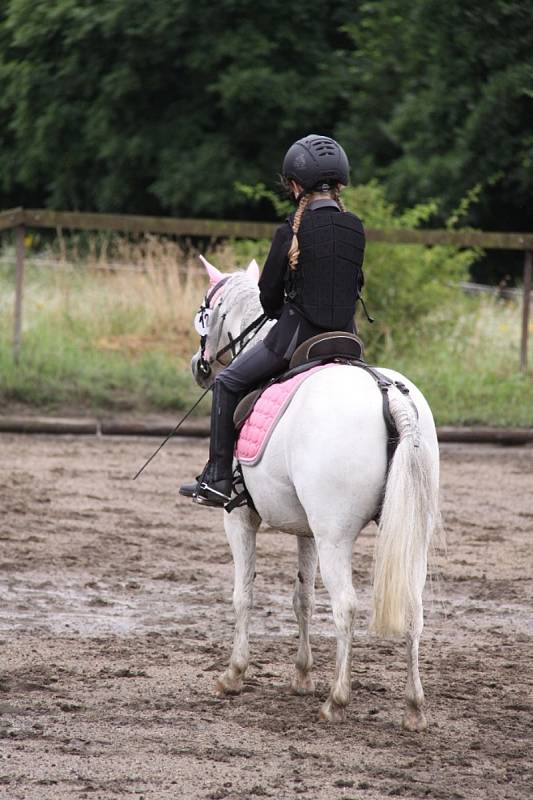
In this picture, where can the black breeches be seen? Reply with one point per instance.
(251, 368)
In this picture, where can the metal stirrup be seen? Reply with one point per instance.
(206, 488)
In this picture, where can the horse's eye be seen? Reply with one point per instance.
(201, 321)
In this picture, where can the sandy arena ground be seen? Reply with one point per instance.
(116, 617)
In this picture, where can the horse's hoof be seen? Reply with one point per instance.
(414, 720)
(302, 685)
(226, 685)
(332, 712)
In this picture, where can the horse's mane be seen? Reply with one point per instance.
(243, 292)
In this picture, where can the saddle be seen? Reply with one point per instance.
(330, 346)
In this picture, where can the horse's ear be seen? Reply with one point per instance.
(252, 270)
(215, 275)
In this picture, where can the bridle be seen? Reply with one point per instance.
(236, 344)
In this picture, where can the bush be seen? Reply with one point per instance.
(404, 282)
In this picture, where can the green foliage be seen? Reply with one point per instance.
(56, 373)
(468, 364)
(164, 107)
(132, 106)
(404, 283)
(444, 104)
(255, 194)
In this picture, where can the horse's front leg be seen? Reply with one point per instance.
(335, 557)
(241, 528)
(303, 603)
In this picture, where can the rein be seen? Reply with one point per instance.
(257, 323)
(204, 365)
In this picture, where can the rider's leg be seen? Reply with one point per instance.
(218, 470)
(216, 479)
(246, 371)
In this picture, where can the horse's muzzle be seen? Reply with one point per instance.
(201, 371)
(204, 369)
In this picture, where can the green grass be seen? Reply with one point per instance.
(57, 373)
(465, 359)
(106, 342)
(458, 396)
(98, 342)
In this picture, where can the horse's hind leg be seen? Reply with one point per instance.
(241, 528)
(414, 718)
(303, 603)
(335, 558)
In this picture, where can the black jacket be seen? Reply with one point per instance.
(294, 324)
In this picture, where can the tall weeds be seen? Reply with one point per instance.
(108, 324)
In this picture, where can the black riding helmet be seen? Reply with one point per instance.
(315, 162)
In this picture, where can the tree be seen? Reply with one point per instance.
(444, 105)
(162, 106)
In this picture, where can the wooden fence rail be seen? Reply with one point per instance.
(20, 219)
(11, 218)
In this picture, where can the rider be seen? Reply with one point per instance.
(310, 283)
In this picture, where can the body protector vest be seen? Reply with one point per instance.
(329, 277)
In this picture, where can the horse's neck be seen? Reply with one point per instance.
(252, 310)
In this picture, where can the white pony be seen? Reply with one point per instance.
(322, 477)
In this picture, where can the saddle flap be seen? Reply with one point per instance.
(243, 410)
(331, 344)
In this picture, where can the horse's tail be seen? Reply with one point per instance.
(409, 516)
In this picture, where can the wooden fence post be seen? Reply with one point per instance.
(19, 287)
(525, 310)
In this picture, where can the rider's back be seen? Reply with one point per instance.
(329, 274)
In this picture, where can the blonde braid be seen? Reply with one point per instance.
(336, 195)
(294, 249)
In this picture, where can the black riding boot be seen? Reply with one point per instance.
(213, 487)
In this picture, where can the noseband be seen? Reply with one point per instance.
(235, 345)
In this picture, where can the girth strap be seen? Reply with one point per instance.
(240, 492)
(384, 384)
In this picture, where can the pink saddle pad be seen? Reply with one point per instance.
(267, 412)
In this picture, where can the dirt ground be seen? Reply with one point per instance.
(116, 617)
